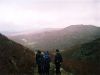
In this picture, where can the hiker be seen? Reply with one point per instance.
(39, 62)
(46, 63)
(58, 60)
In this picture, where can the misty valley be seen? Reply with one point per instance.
(78, 45)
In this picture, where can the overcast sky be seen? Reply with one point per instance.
(36, 14)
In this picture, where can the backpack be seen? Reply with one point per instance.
(58, 58)
(46, 59)
(39, 59)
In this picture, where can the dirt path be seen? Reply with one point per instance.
(52, 70)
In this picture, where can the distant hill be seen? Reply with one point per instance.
(14, 58)
(83, 59)
(62, 39)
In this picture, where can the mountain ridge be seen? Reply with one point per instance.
(63, 38)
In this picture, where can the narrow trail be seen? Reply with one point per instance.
(52, 70)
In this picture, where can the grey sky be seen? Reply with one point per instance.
(34, 14)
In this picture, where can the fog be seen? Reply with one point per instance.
(20, 15)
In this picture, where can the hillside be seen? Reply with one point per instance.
(83, 59)
(62, 39)
(14, 58)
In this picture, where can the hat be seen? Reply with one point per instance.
(39, 51)
(57, 50)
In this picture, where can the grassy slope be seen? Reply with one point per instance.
(83, 59)
(14, 58)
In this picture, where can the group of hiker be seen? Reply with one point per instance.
(43, 62)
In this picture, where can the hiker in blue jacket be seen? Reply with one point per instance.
(46, 63)
(58, 61)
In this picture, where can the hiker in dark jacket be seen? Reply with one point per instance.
(46, 63)
(58, 60)
(39, 62)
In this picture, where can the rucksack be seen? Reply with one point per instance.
(46, 58)
(58, 58)
(39, 58)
